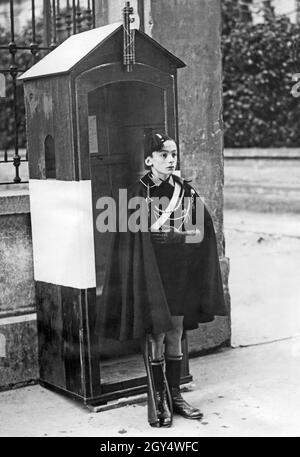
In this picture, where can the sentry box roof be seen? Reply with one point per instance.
(76, 48)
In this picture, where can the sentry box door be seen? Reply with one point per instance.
(115, 109)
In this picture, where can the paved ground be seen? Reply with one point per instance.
(251, 391)
(264, 252)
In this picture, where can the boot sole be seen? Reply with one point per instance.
(155, 424)
(189, 417)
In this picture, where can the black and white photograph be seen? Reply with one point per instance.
(149, 221)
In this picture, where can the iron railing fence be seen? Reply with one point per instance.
(19, 51)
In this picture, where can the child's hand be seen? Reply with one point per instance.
(168, 236)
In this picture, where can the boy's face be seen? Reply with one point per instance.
(163, 162)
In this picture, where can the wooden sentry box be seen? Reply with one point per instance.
(86, 118)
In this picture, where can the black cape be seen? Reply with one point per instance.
(133, 298)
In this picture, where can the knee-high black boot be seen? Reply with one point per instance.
(165, 415)
(158, 399)
(180, 406)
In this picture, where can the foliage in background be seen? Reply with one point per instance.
(258, 63)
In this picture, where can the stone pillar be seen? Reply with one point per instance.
(192, 31)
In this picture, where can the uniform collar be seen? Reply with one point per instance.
(150, 180)
(157, 181)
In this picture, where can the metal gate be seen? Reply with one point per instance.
(21, 49)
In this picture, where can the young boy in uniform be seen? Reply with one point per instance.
(164, 280)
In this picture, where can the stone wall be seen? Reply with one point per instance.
(18, 333)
